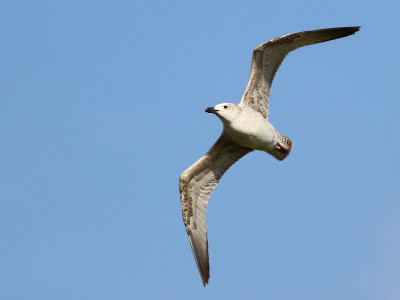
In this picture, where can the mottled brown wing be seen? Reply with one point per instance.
(196, 185)
(268, 56)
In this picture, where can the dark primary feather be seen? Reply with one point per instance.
(268, 56)
(196, 185)
(199, 180)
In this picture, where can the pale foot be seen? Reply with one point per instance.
(283, 147)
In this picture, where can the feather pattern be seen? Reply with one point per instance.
(268, 57)
(248, 125)
(196, 185)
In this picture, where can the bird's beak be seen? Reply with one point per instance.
(211, 110)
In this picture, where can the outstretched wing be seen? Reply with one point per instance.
(268, 56)
(196, 185)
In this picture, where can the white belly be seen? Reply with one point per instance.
(255, 133)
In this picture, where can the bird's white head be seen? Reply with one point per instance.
(227, 112)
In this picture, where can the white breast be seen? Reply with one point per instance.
(251, 130)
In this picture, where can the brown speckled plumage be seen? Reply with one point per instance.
(268, 57)
(198, 182)
(196, 185)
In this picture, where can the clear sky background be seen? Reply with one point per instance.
(102, 107)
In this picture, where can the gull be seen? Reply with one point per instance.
(245, 128)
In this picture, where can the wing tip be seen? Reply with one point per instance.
(341, 31)
(351, 29)
(205, 281)
(202, 266)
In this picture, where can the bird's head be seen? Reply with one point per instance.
(227, 112)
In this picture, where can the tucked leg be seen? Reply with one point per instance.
(282, 147)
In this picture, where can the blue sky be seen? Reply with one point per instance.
(102, 107)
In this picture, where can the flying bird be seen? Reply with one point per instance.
(246, 128)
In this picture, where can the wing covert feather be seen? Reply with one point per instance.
(267, 58)
(196, 185)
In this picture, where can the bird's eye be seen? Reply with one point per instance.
(225, 106)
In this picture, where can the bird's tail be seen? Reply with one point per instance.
(282, 151)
